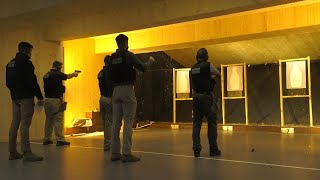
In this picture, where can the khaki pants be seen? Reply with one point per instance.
(124, 105)
(54, 119)
(22, 112)
(106, 116)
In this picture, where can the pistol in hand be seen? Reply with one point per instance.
(76, 73)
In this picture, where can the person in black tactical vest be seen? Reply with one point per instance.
(202, 81)
(106, 88)
(123, 73)
(23, 86)
(54, 105)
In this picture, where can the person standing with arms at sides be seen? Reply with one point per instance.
(106, 88)
(54, 105)
(202, 76)
(23, 86)
(124, 103)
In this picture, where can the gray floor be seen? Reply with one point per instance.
(166, 154)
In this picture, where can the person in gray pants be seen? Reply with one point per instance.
(54, 105)
(124, 103)
(106, 88)
(23, 86)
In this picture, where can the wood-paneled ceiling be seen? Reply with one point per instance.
(255, 51)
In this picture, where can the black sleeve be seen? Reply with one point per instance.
(62, 76)
(34, 82)
(102, 85)
(190, 83)
(131, 58)
(38, 92)
(108, 82)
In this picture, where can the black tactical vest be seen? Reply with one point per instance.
(53, 86)
(200, 76)
(105, 82)
(122, 72)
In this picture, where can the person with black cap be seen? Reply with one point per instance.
(23, 86)
(106, 88)
(54, 105)
(123, 74)
(202, 81)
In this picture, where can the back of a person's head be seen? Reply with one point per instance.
(24, 47)
(202, 54)
(121, 39)
(57, 65)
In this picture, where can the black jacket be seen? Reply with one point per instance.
(200, 77)
(25, 81)
(123, 67)
(52, 82)
(105, 82)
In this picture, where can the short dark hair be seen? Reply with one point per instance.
(202, 53)
(24, 46)
(121, 39)
(57, 64)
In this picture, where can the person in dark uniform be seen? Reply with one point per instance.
(23, 86)
(54, 105)
(123, 73)
(106, 88)
(202, 76)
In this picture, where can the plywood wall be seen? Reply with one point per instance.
(44, 53)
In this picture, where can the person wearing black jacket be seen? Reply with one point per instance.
(23, 86)
(204, 103)
(106, 88)
(54, 105)
(123, 74)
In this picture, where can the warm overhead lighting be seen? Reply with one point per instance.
(138, 39)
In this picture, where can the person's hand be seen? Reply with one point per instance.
(75, 74)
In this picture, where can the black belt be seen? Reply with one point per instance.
(123, 83)
(203, 92)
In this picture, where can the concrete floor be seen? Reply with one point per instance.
(166, 154)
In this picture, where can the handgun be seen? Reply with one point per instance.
(77, 71)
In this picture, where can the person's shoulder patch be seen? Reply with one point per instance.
(195, 71)
(11, 64)
(46, 76)
(117, 60)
